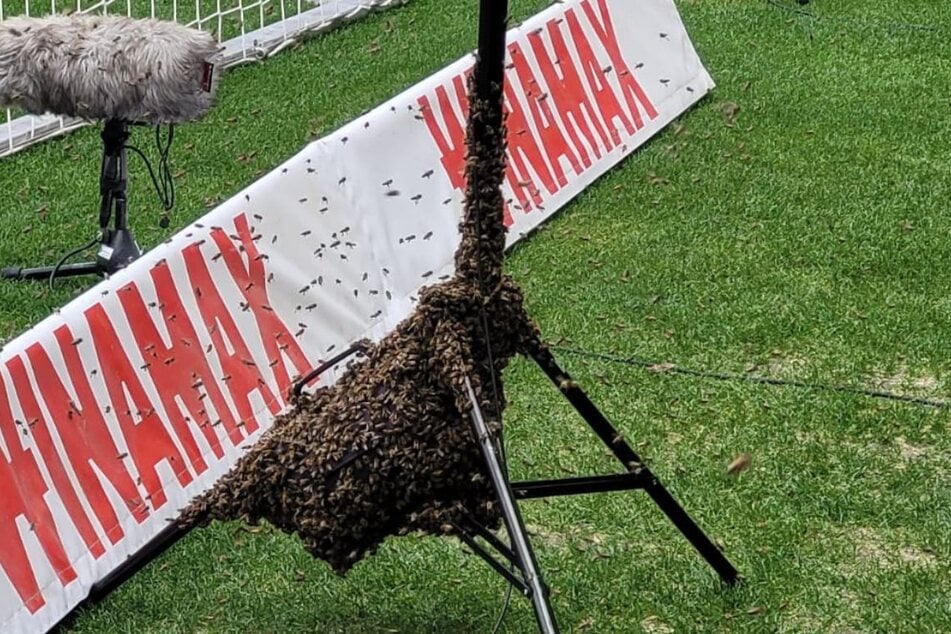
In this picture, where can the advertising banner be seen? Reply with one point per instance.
(138, 395)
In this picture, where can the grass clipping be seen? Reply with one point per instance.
(389, 449)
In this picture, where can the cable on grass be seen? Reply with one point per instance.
(505, 607)
(660, 367)
(893, 24)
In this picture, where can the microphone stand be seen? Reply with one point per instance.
(117, 245)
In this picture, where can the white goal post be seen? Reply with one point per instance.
(249, 31)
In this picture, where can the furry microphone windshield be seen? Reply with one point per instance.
(107, 67)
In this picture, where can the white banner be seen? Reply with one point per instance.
(139, 394)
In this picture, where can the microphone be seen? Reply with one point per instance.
(107, 67)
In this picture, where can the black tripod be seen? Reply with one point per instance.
(518, 553)
(117, 246)
(522, 569)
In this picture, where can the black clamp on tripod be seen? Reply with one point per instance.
(117, 245)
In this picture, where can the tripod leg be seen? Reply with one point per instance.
(632, 462)
(43, 272)
(538, 591)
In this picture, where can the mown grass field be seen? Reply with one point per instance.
(807, 238)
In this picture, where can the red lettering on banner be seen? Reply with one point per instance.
(184, 351)
(571, 110)
(452, 147)
(460, 83)
(604, 96)
(57, 471)
(568, 92)
(83, 433)
(553, 141)
(524, 151)
(630, 88)
(241, 373)
(249, 274)
(148, 441)
(23, 495)
(523, 147)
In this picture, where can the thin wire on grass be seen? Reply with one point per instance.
(855, 22)
(505, 607)
(669, 368)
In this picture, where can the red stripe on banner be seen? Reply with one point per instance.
(26, 499)
(89, 453)
(184, 351)
(146, 437)
(550, 137)
(240, 370)
(549, 115)
(604, 28)
(451, 143)
(151, 433)
(250, 276)
(567, 91)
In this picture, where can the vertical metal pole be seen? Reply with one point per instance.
(538, 592)
(482, 241)
(121, 184)
(490, 69)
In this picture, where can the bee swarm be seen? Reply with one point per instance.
(389, 449)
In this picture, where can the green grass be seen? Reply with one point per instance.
(810, 240)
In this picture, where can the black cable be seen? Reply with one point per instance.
(75, 251)
(668, 368)
(155, 181)
(499, 437)
(163, 183)
(855, 22)
(165, 170)
(505, 607)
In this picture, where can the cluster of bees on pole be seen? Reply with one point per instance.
(389, 449)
